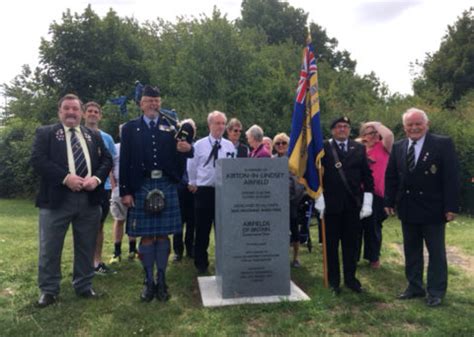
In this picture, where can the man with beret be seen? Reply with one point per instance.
(152, 163)
(347, 197)
(422, 182)
(73, 163)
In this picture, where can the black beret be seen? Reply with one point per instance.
(342, 119)
(150, 91)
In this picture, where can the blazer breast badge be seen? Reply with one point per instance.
(60, 135)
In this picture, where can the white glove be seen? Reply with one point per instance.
(320, 206)
(366, 209)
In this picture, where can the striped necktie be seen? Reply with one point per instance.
(342, 146)
(411, 157)
(78, 155)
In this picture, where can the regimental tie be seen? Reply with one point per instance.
(411, 157)
(214, 154)
(342, 146)
(78, 154)
(152, 124)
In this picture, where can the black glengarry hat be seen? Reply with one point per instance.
(342, 119)
(150, 91)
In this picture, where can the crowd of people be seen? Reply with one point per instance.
(159, 180)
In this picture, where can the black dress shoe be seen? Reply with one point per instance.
(90, 293)
(336, 290)
(190, 254)
(202, 270)
(432, 301)
(356, 288)
(162, 294)
(148, 293)
(407, 294)
(46, 299)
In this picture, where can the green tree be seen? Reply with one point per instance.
(277, 19)
(92, 57)
(448, 74)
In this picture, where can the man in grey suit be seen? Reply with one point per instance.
(73, 163)
(422, 184)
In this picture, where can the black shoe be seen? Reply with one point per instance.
(177, 258)
(162, 294)
(408, 294)
(336, 290)
(432, 301)
(148, 293)
(202, 270)
(102, 269)
(90, 293)
(46, 299)
(356, 288)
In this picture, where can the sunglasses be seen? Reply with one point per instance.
(372, 133)
(281, 143)
(236, 130)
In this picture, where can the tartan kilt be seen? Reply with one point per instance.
(168, 221)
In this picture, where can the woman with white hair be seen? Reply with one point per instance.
(255, 140)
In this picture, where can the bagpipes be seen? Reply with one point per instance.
(183, 131)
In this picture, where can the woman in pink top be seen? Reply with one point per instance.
(378, 140)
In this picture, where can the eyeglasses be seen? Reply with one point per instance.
(281, 143)
(372, 133)
(237, 130)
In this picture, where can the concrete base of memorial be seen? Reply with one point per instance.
(211, 296)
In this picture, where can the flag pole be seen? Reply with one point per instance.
(325, 260)
(323, 221)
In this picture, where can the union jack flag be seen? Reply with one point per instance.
(308, 66)
(306, 142)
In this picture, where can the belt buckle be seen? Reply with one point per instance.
(156, 174)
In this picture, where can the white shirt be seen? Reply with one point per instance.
(418, 147)
(346, 142)
(200, 175)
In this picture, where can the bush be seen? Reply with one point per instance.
(16, 175)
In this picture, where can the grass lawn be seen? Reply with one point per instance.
(118, 312)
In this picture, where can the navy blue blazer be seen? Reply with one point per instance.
(132, 156)
(358, 175)
(49, 160)
(424, 196)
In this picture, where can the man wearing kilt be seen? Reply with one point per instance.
(152, 162)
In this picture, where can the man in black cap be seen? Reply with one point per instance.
(348, 186)
(152, 162)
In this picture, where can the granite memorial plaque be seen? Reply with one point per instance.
(252, 226)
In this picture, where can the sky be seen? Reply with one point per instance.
(382, 36)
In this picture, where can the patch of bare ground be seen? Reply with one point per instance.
(7, 292)
(455, 257)
(254, 328)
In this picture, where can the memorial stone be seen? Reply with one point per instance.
(252, 227)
